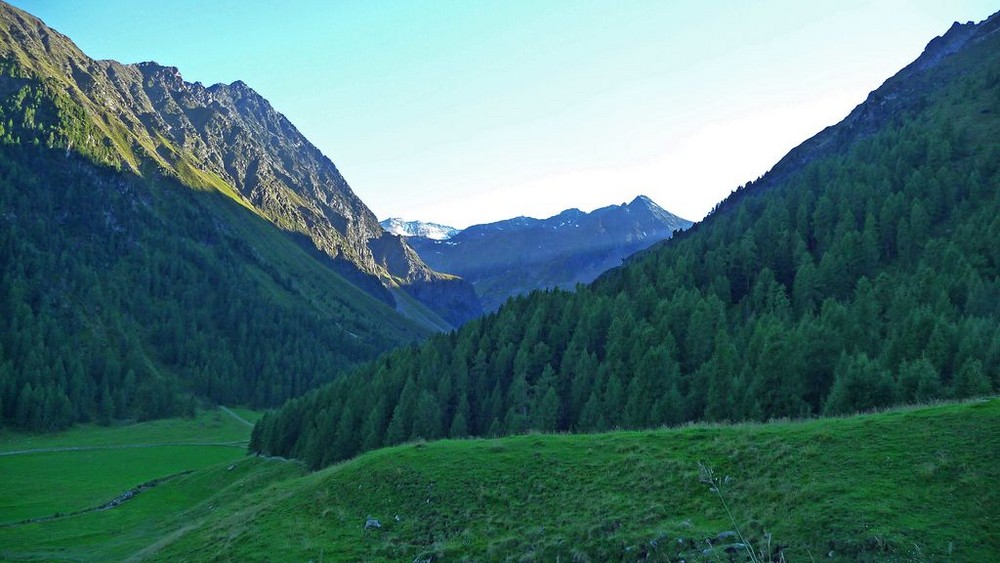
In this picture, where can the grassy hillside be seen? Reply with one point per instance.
(56, 479)
(906, 485)
(155, 516)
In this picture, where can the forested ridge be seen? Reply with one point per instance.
(864, 278)
(137, 297)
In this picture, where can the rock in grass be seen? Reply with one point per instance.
(723, 536)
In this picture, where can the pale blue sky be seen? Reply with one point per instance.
(474, 111)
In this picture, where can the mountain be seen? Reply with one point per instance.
(166, 244)
(861, 272)
(432, 231)
(516, 256)
(145, 117)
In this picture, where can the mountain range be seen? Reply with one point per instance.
(513, 257)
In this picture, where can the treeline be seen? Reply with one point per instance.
(869, 278)
(132, 298)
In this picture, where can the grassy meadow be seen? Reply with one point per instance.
(906, 485)
(88, 466)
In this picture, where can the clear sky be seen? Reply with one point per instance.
(473, 111)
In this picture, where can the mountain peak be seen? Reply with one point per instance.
(945, 45)
(643, 201)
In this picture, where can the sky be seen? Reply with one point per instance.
(472, 111)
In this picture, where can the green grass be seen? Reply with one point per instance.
(413, 309)
(247, 414)
(907, 485)
(88, 466)
(207, 426)
(44, 484)
(155, 516)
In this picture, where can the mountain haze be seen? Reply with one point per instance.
(516, 256)
(859, 273)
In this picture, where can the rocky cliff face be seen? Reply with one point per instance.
(145, 117)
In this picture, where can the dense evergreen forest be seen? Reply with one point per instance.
(135, 297)
(866, 278)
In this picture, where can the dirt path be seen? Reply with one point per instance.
(237, 417)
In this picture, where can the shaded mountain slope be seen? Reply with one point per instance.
(128, 297)
(222, 137)
(516, 256)
(864, 276)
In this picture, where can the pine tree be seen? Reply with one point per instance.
(918, 381)
(970, 381)
(427, 423)
(860, 385)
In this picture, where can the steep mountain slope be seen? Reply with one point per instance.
(856, 276)
(223, 137)
(433, 231)
(125, 293)
(519, 255)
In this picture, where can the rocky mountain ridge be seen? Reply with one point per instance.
(146, 118)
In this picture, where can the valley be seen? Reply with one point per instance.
(809, 372)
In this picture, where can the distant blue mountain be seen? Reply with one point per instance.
(515, 256)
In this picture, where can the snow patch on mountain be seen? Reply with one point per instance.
(433, 231)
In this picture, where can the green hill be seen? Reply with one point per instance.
(908, 485)
(861, 272)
